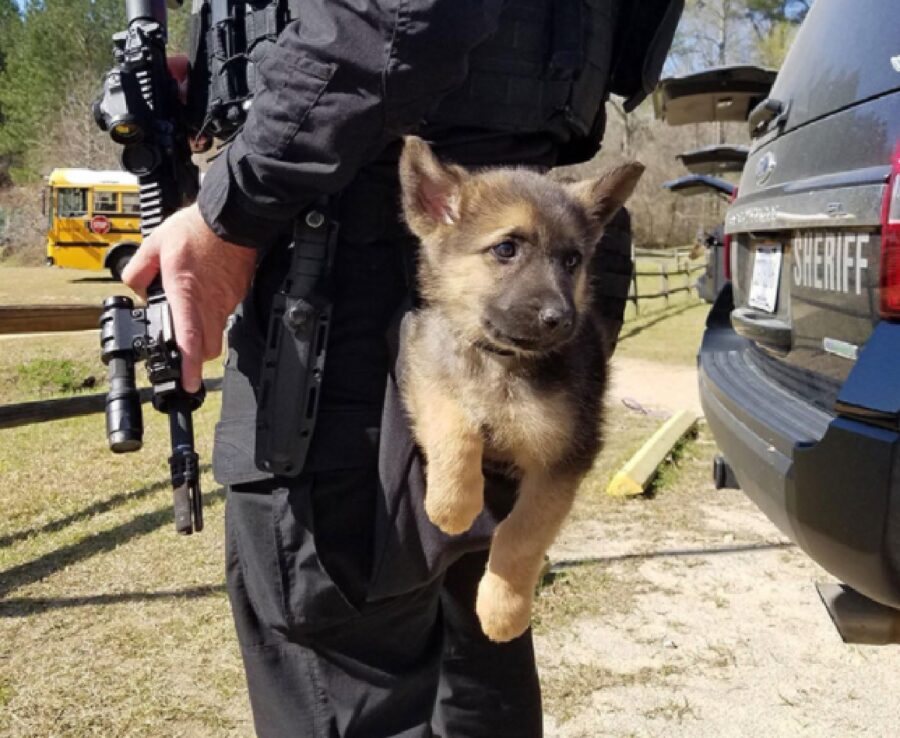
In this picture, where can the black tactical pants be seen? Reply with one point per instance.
(415, 664)
(355, 615)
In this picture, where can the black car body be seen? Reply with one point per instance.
(800, 363)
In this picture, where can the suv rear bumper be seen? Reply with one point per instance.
(831, 484)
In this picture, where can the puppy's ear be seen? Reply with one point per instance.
(431, 190)
(603, 197)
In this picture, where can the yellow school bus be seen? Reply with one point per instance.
(93, 219)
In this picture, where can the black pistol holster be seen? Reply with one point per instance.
(294, 359)
(277, 341)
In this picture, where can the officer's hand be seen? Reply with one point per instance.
(204, 279)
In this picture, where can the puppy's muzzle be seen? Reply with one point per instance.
(535, 327)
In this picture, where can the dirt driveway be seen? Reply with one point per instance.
(689, 614)
(648, 384)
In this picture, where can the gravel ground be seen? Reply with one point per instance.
(689, 614)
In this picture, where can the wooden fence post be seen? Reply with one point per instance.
(634, 290)
(665, 281)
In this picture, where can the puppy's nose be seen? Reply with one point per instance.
(556, 317)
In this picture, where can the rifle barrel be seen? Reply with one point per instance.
(145, 10)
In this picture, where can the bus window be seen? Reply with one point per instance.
(72, 202)
(131, 203)
(105, 202)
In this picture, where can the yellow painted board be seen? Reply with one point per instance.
(633, 478)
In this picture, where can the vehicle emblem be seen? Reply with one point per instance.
(765, 167)
(835, 210)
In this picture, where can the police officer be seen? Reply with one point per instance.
(354, 614)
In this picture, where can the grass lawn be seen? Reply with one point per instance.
(669, 337)
(110, 623)
(38, 367)
(51, 285)
(52, 365)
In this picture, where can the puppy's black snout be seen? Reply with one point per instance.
(556, 317)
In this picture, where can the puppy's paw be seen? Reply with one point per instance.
(454, 507)
(503, 610)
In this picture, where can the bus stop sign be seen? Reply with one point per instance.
(100, 225)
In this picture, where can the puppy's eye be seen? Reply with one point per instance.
(505, 250)
(572, 260)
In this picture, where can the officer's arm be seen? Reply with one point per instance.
(342, 82)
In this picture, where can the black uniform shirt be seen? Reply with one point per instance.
(351, 76)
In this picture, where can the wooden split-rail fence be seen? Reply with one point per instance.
(37, 319)
(32, 319)
(667, 271)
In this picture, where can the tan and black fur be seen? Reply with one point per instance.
(505, 363)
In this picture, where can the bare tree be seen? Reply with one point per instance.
(660, 219)
(71, 140)
(74, 140)
(713, 33)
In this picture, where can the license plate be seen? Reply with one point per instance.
(766, 277)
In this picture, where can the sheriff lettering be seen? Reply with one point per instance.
(835, 262)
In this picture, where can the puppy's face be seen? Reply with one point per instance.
(504, 252)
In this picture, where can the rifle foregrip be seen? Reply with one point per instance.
(181, 500)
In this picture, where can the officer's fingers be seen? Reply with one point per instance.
(188, 323)
(212, 340)
(143, 267)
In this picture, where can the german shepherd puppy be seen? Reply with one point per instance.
(505, 363)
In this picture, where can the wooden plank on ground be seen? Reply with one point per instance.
(633, 478)
(48, 318)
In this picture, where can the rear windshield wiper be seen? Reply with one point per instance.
(767, 112)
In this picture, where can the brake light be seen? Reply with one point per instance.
(726, 249)
(726, 243)
(890, 244)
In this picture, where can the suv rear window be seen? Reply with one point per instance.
(845, 52)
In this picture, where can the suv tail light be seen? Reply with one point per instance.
(726, 242)
(890, 244)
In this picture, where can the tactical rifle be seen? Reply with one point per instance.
(140, 109)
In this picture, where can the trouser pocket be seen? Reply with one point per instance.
(409, 550)
(285, 575)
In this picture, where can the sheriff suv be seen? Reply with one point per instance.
(800, 362)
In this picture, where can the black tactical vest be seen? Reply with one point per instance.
(545, 70)
(549, 68)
